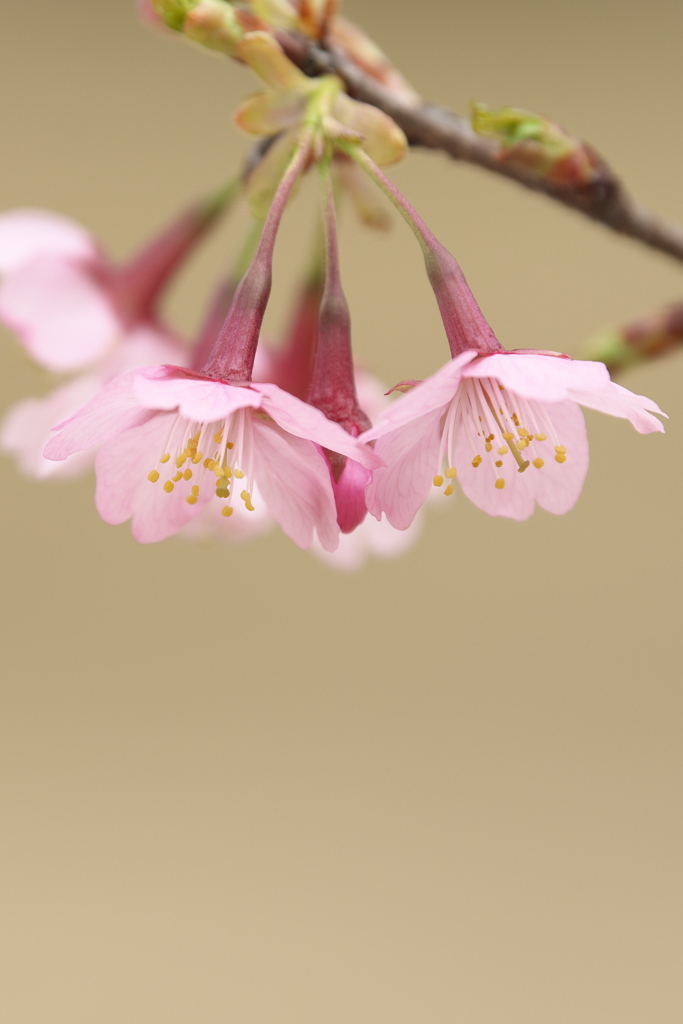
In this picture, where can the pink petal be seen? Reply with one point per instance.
(27, 234)
(546, 378)
(303, 420)
(618, 401)
(115, 409)
(62, 314)
(411, 452)
(429, 395)
(295, 483)
(124, 491)
(27, 427)
(202, 401)
(555, 487)
(123, 465)
(349, 495)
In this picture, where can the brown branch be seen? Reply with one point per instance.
(604, 200)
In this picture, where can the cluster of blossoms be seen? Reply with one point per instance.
(228, 435)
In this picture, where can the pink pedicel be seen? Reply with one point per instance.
(173, 441)
(509, 428)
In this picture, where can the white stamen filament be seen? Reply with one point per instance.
(498, 426)
(223, 449)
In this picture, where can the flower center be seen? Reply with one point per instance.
(499, 426)
(216, 455)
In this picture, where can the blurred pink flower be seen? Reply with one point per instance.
(73, 310)
(172, 441)
(68, 304)
(508, 425)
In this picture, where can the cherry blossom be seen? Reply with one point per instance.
(173, 441)
(508, 426)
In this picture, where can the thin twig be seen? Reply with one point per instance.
(605, 200)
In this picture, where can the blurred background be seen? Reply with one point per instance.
(237, 785)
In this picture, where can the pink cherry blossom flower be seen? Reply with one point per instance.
(68, 304)
(173, 441)
(507, 425)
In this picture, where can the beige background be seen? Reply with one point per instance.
(239, 787)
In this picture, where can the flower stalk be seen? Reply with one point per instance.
(463, 320)
(232, 357)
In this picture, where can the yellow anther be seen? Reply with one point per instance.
(499, 462)
(438, 480)
(490, 437)
(222, 492)
(197, 457)
(523, 432)
(227, 511)
(218, 437)
(541, 437)
(227, 471)
(501, 388)
(538, 463)
(195, 490)
(239, 474)
(500, 483)
(194, 440)
(488, 446)
(245, 496)
(560, 458)
(177, 476)
(503, 450)
(560, 449)
(188, 474)
(229, 445)
(168, 486)
(192, 499)
(209, 464)
(249, 507)
(451, 472)
(165, 458)
(515, 419)
(153, 476)
(180, 460)
(449, 490)
(507, 436)
(476, 461)
(523, 443)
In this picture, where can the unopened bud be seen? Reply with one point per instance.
(216, 25)
(173, 12)
(540, 145)
(642, 339)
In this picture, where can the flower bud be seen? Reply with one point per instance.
(642, 339)
(211, 23)
(540, 145)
